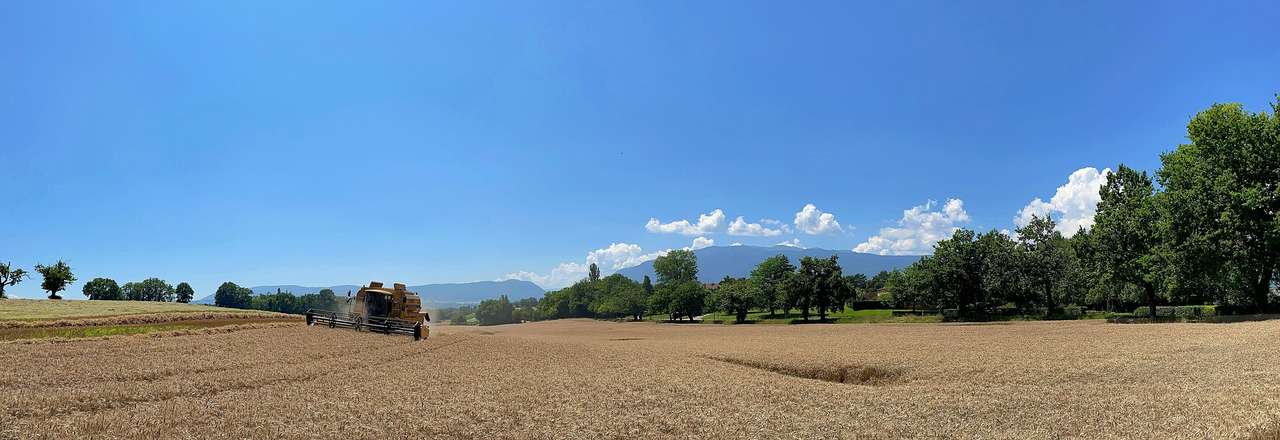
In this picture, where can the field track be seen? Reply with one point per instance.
(587, 379)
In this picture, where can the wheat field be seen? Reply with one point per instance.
(589, 379)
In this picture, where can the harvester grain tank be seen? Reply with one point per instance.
(378, 309)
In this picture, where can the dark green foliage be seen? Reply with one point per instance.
(683, 299)
(593, 273)
(185, 292)
(231, 295)
(1221, 206)
(150, 289)
(769, 276)
(496, 311)
(676, 267)
(737, 296)
(1126, 234)
(102, 289)
(10, 276)
(56, 278)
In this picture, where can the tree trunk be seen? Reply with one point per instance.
(1262, 289)
(1151, 298)
(742, 316)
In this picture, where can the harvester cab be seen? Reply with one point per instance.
(378, 309)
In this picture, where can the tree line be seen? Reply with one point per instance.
(231, 295)
(58, 276)
(1205, 229)
(817, 286)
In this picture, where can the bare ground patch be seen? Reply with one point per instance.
(871, 375)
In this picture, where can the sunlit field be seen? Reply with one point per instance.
(590, 379)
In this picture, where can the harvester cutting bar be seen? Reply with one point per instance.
(334, 319)
(372, 323)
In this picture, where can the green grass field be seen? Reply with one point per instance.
(38, 310)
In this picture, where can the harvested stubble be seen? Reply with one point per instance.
(584, 379)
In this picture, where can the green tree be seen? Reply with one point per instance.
(593, 273)
(231, 295)
(1223, 203)
(153, 289)
(956, 273)
(1125, 232)
(857, 285)
(620, 296)
(821, 285)
(1047, 259)
(768, 276)
(797, 294)
(495, 311)
(676, 267)
(10, 276)
(186, 293)
(1002, 277)
(647, 285)
(737, 297)
(56, 278)
(686, 299)
(102, 289)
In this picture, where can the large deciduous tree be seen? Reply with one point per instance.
(676, 267)
(1222, 193)
(185, 293)
(737, 296)
(56, 278)
(769, 276)
(102, 289)
(10, 276)
(231, 295)
(1126, 235)
(1047, 260)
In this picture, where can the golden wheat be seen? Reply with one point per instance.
(586, 379)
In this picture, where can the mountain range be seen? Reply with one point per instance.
(714, 263)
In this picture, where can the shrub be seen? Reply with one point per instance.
(1183, 312)
(868, 305)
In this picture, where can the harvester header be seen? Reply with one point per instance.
(378, 309)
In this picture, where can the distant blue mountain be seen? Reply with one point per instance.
(714, 263)
(436, 294)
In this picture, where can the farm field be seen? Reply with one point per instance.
(37, 310)
(590, 379)
(38, 319)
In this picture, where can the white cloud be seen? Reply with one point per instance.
(795, 243)
(707, 223)
(610, 259)
(812, 221)
(560, 276)
(918, 229)
(735, 244)
(1073, 205)
(740, 227)
(701, 242)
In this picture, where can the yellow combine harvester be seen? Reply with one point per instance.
(378, 309)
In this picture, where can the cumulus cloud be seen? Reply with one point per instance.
(812, 221)
(707, 223)
(701, 242)
(609, 259)
(740, 227)
(918, 229)
(1073, 205)
(795, 243)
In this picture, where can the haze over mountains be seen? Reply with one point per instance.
(714, 263)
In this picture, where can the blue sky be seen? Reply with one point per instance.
(336, 142)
